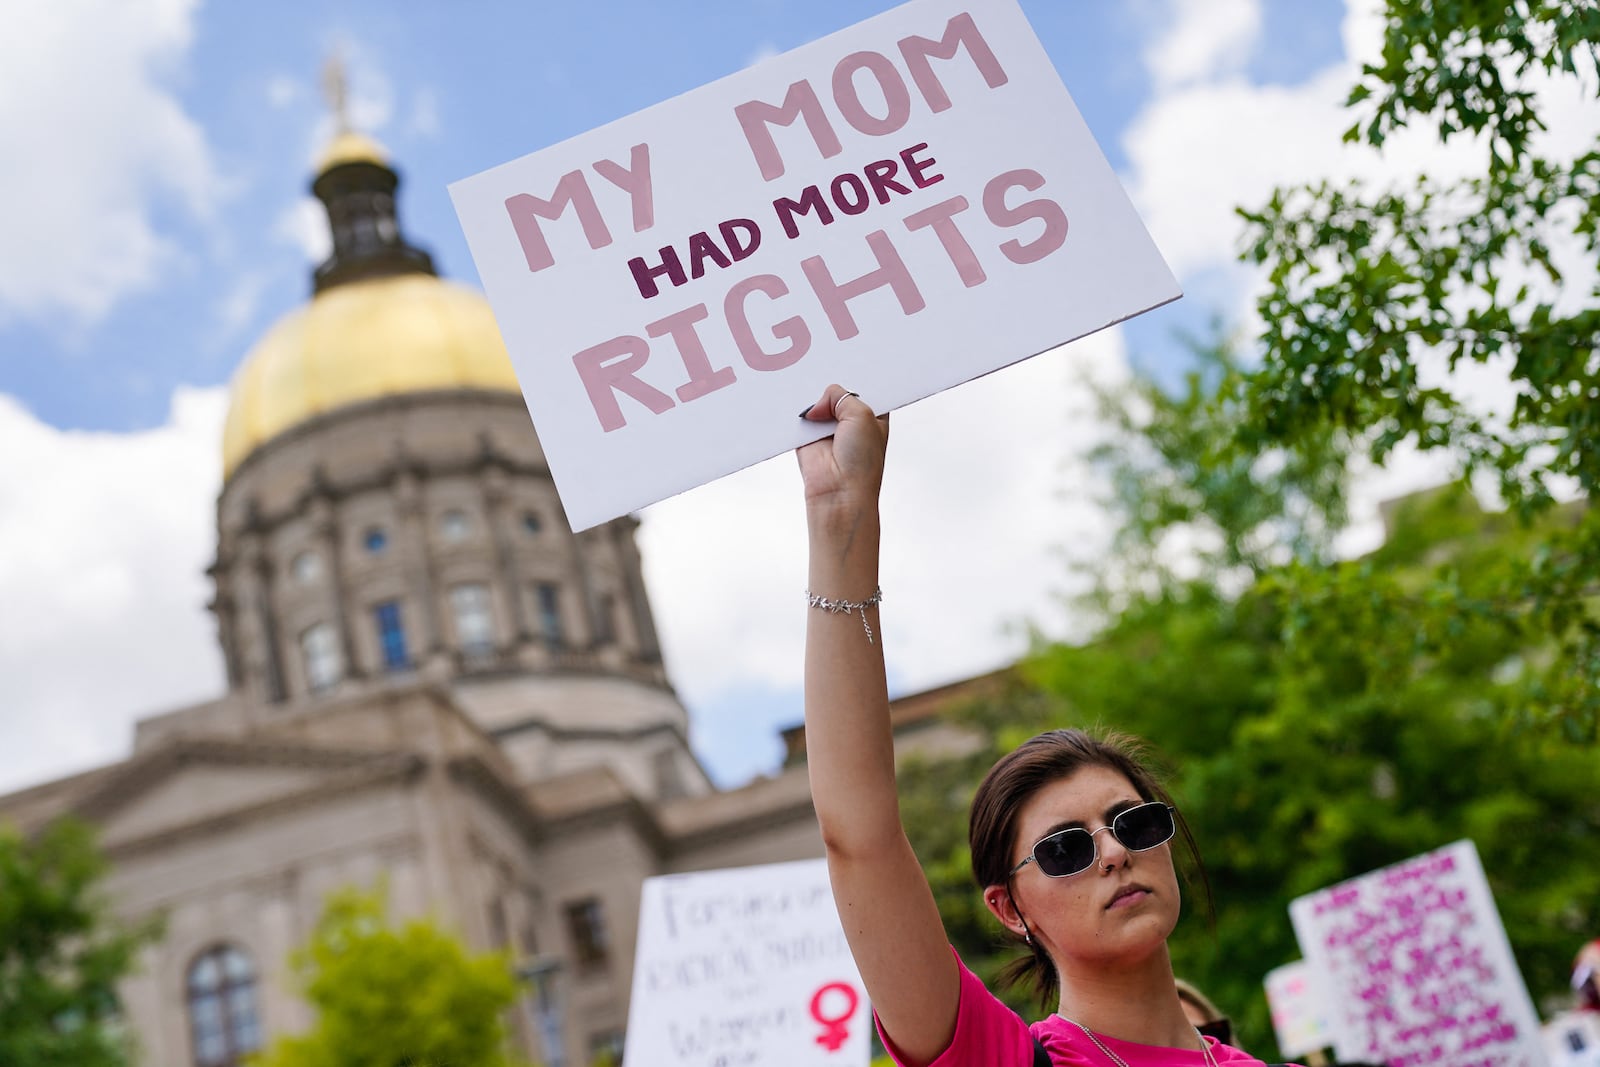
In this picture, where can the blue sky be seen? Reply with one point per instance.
(157, 156)
(457, 88)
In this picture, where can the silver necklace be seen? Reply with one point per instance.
(1205, 1046)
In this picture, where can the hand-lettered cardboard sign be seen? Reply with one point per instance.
(1299, 1015)
(900, 207)
(1415, 965)
(746, 967)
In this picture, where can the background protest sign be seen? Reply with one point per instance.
(902, 206)
(1416, 967)
(1299, 1013)
(746, 967)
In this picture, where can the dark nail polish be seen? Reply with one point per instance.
(807, 411)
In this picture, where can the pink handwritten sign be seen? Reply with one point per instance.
(745, 967)
(902, 206)
(1414, 966)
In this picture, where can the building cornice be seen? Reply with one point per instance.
(399, 768)
(380, 406)
(141, 773)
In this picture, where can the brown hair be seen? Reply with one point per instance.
(1190, 993)
(992, 825)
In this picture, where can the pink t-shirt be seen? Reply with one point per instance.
(989, 1034)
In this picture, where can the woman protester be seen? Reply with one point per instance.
(1070, 834)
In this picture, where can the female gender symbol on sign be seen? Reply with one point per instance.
(834, 1031)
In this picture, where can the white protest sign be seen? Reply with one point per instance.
(1572, 1039)
(1417, 967)
(902, 206)
(1299, 1013)
(746, 967)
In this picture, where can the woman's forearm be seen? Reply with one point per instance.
(849, 745)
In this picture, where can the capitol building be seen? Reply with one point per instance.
(433, 684)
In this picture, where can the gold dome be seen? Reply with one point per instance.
(348, 146)
(363, 341)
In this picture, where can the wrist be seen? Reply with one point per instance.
(841, 512)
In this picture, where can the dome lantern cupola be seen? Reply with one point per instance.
(356, 185)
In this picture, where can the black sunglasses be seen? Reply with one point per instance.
(1073, 850)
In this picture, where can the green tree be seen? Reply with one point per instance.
(62, 952)
(1308, 740)
(1298, 763)
(1374, 291)
(385, 997)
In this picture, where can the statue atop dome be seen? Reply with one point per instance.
(356, 184)
(336, 88)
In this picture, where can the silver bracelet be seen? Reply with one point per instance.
(847, 607)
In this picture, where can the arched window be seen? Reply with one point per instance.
(319, 648)
(306, 568)
(455, 526)
(222, 1007)
(474, 619)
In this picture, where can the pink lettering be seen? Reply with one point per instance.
(1046, 211)
(857, 200)
(794, 329)
(850, 192)
(742, 236)
(644, 275)
(756, 117)
(880, 175)
(960, 30)
(701, 248)
(612, 367)
(940, 218)
(835, 296)
(918, 168)
(702, 379)
(810, 200)
(634, 179)
(896, 98)
(526, 210)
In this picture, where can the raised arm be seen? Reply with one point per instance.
(884, 901)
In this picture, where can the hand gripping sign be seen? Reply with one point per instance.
(902, 206)
(745, 967)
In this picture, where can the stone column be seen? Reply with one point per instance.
(324, 518)
(638, 598)
(225, 610)
(143, 1005)
(281, 1010)
(266, 583)
(586, 603)
(258, 639)
(494, 508)
(417, 559)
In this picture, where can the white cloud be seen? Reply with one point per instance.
(764, 51)
(104, 541)
(304, 224)
(239, 306)
(424, 120)
(1203, 38)
(1206, 144)
(91, 139)
(283, 90)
